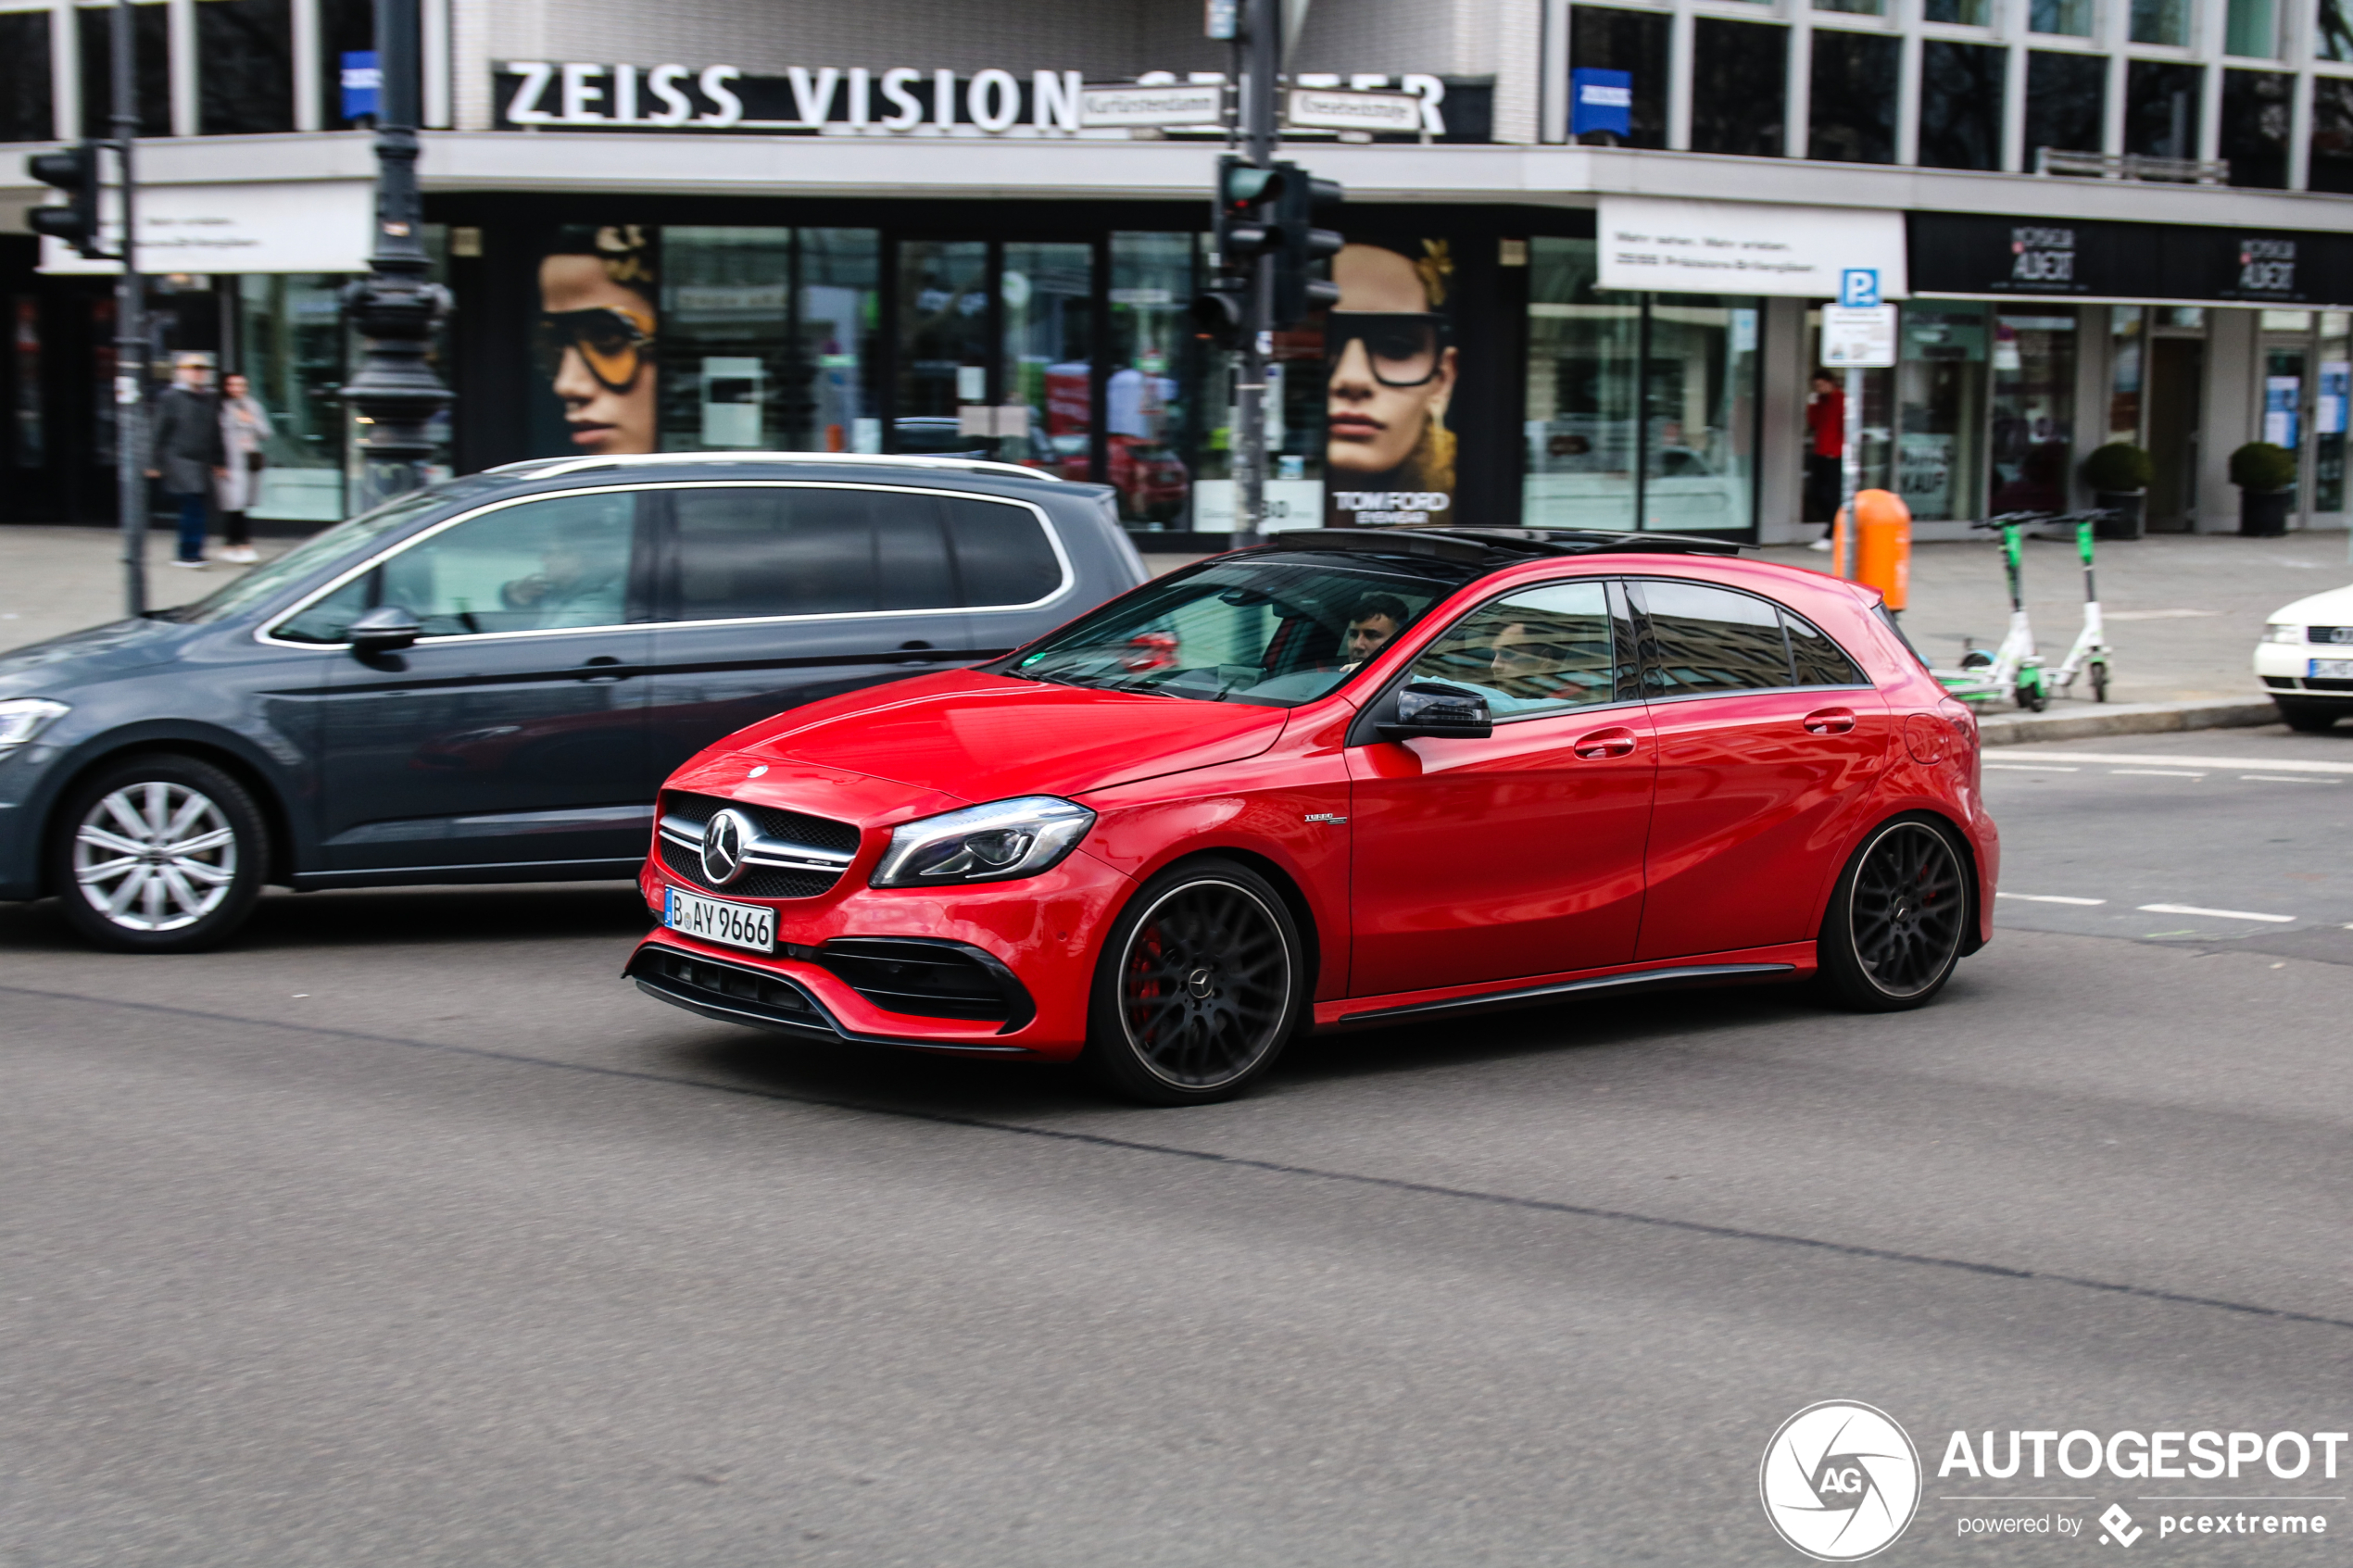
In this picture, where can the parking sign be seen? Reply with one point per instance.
(1858, 286)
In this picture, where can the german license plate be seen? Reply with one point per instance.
(2331, 670)
(737, 926)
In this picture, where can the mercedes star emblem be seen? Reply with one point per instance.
(722, 847)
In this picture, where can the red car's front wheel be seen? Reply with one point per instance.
(1200, 984)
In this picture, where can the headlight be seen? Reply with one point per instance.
(22, 718)
(2279, 631)
(1000, 842)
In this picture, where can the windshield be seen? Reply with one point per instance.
(319, 550)
(1275, 630)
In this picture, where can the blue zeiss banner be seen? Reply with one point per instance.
(1601, 100)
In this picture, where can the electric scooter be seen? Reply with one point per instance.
(2013, 671)
(2091, 652)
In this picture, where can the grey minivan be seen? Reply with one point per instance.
(487, 679)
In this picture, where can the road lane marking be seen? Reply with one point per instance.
(2280, 778)
(2215, 914)
(2033, 768)
(2157, 772)
(2136, 759)
(2049, 898)
(2155, 614)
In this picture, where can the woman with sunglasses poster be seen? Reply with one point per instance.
(598, 288)
(1388, 458)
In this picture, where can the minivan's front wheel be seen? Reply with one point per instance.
(1201, 982)
(158, 854)
(1897, 918)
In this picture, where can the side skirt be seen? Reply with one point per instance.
(1762, 965)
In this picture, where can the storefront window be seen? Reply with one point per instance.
(291, 349)
(838, 278)
(2033, 411)
(1149, 396)
(1940, 390)
(725, 325)
(1583, 350)
(944, 351)
(2329, 412)
(1642, 411)
(1047, 298)
(2127, 360)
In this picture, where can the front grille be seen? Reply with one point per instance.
(757, 882)
(742, 993)
(2328, 684)
(2280, 682)
(2339, 634)
(794, 827)
(928, 978)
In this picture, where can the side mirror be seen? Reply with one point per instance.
(385, 629)
(1427, 708)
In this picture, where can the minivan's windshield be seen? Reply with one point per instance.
(1275, 630)
(323, 549)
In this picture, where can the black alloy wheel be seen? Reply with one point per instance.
(158, 854)
(1897, 918)
(1200, 984)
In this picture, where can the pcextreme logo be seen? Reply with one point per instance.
(1840, 1481)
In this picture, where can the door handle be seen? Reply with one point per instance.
(915, 652)
(1830, 721)
(1604, 744)
(602, 670)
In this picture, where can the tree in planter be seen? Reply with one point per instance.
(2119, 474)
(2265, 474)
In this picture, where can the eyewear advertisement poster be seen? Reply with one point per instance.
(599, 314)
(1391, 365)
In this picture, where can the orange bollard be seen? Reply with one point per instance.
(1884, 544)
(1842, 543)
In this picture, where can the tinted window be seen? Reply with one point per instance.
(793, 550)
(1540, 651)
(1002, 556)
(1704, 639)
(1819, 661)
(536, 565)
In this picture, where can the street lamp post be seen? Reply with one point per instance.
(1257, 62)
(129, 329)
(396, 393)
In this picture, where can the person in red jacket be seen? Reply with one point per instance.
(1825, 448)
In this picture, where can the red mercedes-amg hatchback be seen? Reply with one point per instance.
(1347, 778)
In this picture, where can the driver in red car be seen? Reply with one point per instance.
(1375, 619)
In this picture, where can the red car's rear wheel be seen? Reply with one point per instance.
(1199, 986)
(1897, 918)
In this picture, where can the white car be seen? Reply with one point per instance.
(2306, 659)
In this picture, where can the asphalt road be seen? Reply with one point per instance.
(407, 1233)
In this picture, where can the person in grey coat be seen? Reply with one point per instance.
(184, 450)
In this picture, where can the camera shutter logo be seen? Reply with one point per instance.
(1840, 1481)
(722, 847)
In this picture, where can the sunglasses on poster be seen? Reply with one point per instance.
(1402, 348)
(614, 343)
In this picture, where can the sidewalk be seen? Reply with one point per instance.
(2184, 612)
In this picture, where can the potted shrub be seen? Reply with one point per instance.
(2266, 477)
(2117, 475)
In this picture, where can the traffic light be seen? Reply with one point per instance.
(1300, 246)
(1244, 233)
(73, 170)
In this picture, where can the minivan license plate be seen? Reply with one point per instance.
(737, 926)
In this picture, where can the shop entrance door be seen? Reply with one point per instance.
(996, 352)
(2177, 369)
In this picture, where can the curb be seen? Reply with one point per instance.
(2125, 719)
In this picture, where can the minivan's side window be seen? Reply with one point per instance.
(539, 565)
(769, 550)
(1821, 663)
(1707, 639)
(1542, 650)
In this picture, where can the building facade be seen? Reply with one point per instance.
(1586, 265)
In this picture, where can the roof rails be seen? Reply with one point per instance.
(1471, 544)
(548, 467)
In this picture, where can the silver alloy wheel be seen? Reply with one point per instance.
(155, 855)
